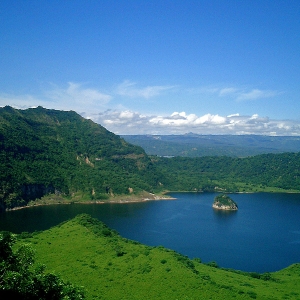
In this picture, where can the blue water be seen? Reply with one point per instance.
(262, 236)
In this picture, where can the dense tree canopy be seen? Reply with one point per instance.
(280, 171)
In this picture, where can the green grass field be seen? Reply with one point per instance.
(89, 254)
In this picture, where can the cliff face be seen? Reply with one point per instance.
(224, 202)
(34, 191)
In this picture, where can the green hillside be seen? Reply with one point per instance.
(48, 151)
(265, 172)
(87, 253)
(58, 153)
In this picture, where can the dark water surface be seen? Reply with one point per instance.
(262, 236)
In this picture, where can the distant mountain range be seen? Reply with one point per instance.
(194, 145)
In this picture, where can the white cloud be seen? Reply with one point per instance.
(89, 101)
(130, 89)
(210, 119)
(256, 94)
(233, 115)
(19, 102)
(74, 97)
(239, 94)
(76, 93)
(127, 122)
(126, 115)
(227, 91)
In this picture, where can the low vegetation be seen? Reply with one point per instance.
(21, 279)
(87, 253)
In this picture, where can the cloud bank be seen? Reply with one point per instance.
(93, 104)
(128, 122)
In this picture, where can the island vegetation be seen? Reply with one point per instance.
(224, 202)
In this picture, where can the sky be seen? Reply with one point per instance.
(156, 67)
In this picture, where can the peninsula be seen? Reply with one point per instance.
(224, 202)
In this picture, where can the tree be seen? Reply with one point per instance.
(20, 279)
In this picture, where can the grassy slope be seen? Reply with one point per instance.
(87, 253)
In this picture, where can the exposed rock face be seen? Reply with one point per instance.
(224, 202)
(35, 191)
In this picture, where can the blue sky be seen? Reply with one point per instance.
(156, 67)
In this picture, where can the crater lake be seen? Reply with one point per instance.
(262, 236)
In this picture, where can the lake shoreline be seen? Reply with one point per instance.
(118, 199)
(190, 226)
(143, 197)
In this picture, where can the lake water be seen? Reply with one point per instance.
(262, 236)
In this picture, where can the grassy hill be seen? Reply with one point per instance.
(87, 253)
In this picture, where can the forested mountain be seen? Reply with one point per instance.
(55, 152)
(265, 172)
(48, 151)
(195, 145)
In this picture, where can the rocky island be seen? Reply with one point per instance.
(224, 202)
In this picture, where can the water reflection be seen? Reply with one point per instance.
(224, 215)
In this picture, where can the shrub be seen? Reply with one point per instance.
(19, 280)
